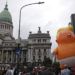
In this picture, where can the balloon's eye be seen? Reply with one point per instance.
(69, 35)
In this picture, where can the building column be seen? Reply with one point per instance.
(29, 55)
(42, 55)
(12, 56)
(7, 57)
(2, 57)
(36, 56)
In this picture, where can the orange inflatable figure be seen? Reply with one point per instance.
(65, 52)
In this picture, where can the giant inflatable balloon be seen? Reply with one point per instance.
(65, 52)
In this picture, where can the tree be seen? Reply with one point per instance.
(56, 66)
(47, 62)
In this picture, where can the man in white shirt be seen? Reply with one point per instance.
(9, 71)
(65, 71)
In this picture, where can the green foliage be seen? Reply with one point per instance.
(47, 62)
(56, 66)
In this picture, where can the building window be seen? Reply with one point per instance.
(24, 60)
(39, 52)
(39, 40)
(44, 40)
(34, 40)
(44, 50)
(44, 57)
(33, 51)
(6, 44)
(33, 58)
(10, 44)
(45, 53)
(39, 57)
(9, 59)
(24, 53)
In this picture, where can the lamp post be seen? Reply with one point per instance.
(19, 40)
(20, 17)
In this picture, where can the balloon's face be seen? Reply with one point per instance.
(65, 52)
(65, 36)
(66, 44)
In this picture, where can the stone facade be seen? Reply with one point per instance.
(33, 49)
(39, 46)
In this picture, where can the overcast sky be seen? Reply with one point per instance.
(50, 16)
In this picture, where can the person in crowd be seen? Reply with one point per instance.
(34, 71)
(47, 71)
(65, 71)
(9, 71)
(16, 70)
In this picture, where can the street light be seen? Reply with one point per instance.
(18, 48)
(20, 17)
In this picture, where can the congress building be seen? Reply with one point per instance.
(33, 49)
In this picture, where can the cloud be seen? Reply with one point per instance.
(52, 15)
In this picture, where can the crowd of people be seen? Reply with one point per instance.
(39, 70)
(35, 71)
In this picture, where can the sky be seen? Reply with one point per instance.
(50, 16)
